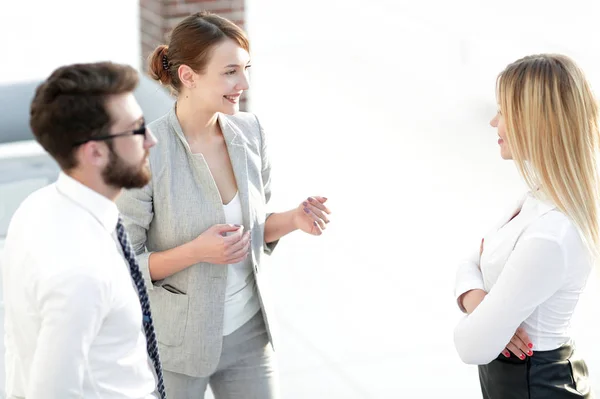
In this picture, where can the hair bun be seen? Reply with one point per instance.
(158, 65)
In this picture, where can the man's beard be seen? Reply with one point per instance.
(121, 175)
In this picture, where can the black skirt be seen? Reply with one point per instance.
(555, 374)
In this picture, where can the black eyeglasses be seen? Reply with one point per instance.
(139, 130)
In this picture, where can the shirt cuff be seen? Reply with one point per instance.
(464, 287)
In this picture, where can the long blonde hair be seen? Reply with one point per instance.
(552, 130)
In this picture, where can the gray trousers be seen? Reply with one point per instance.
(246, 368)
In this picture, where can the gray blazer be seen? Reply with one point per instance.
(180, 203)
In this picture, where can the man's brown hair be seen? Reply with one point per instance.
(70, 106)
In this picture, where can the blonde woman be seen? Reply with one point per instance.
(521, 288)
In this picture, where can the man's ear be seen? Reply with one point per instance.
(93, 153)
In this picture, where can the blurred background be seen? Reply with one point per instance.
(381, 106)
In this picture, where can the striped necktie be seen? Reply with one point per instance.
(138, 281)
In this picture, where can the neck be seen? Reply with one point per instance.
(195, 122)
(96, 183)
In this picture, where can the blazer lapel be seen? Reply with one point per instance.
(238, 157)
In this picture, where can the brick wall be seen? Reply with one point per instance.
(159, 17)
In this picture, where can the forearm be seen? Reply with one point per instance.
(476, 341)
(533, 273)
(471, 299)
(166, 263)
(279, 224)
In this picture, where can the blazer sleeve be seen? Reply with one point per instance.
(136, 208)
(266, 180)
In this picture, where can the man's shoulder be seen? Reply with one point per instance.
(51, 224)
(34, 206)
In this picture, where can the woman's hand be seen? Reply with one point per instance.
(520, 345)
(222, 244)
(311, 216)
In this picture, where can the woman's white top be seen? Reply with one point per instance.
(241, 300)
(534, 269)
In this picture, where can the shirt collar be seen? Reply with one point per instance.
(100, 207)
(535, 202)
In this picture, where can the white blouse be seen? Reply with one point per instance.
(534, 269)
(241, 299)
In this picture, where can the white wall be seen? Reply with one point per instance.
(37, 36)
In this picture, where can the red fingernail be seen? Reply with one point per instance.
(530, 353)
(506, 354)
(522, 356)
(530, 345)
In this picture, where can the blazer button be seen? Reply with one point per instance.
(255, 268)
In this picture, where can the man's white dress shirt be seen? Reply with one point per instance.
(73, 325)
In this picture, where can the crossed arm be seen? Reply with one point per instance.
(534, 272)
